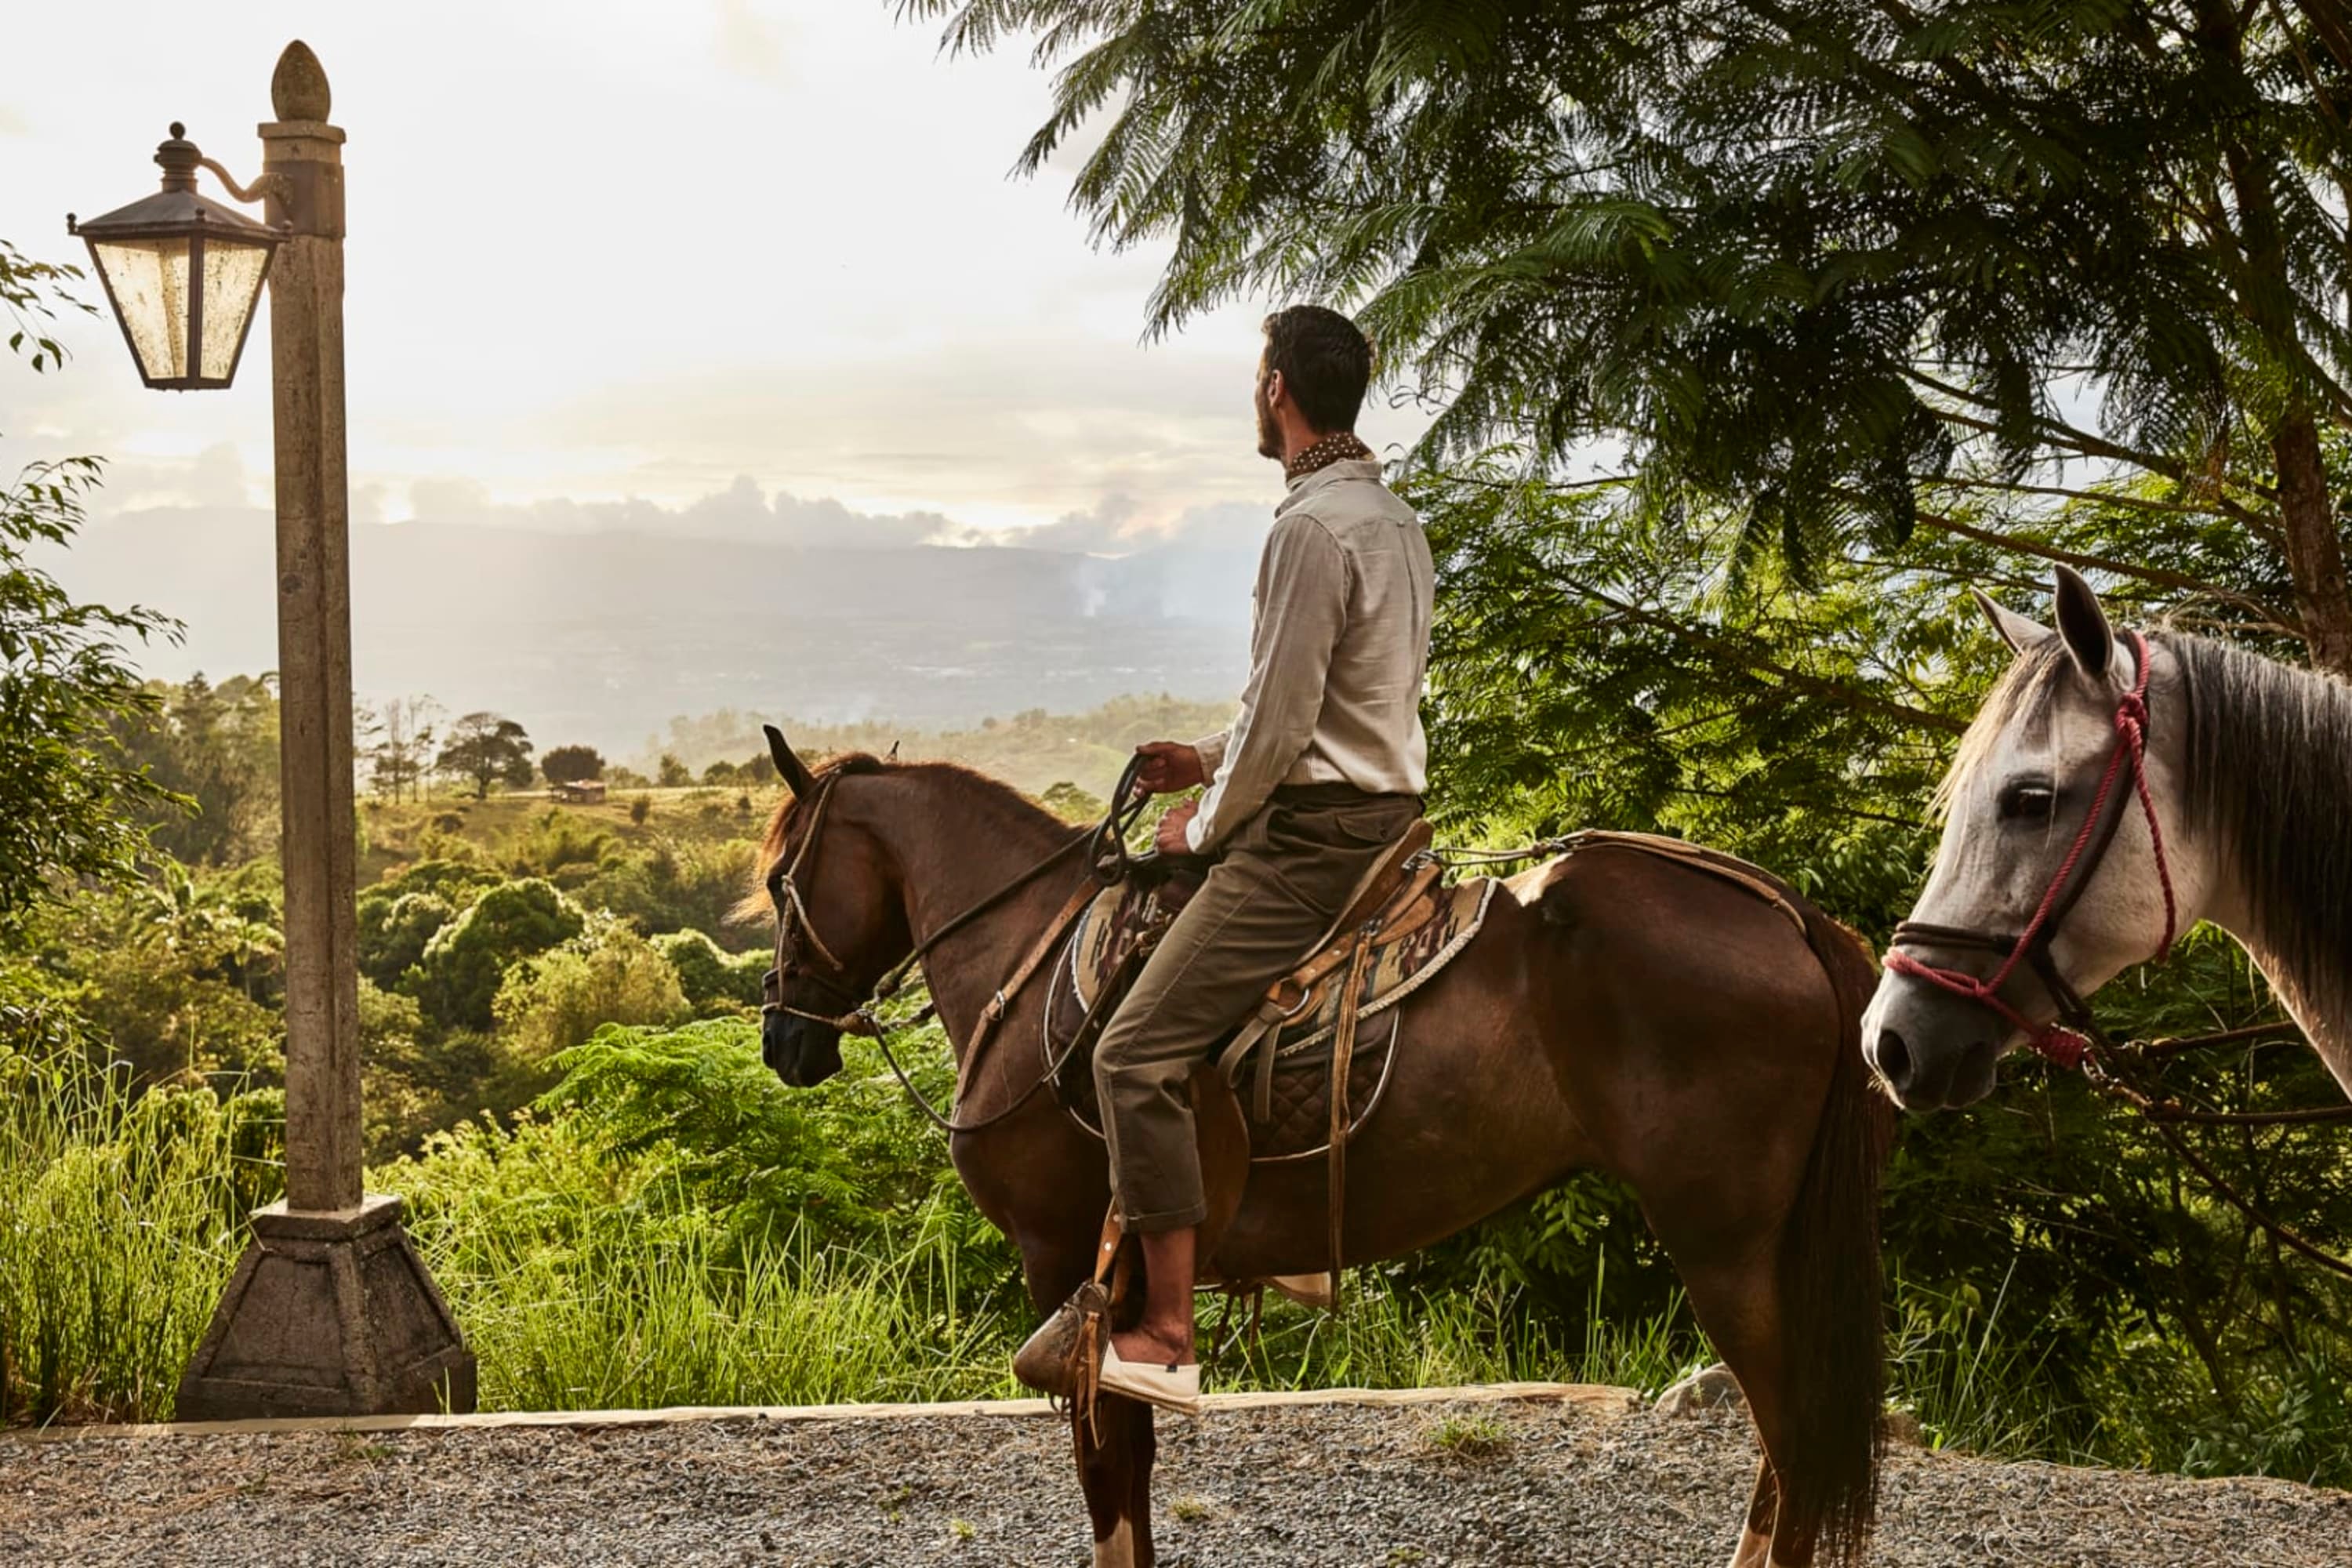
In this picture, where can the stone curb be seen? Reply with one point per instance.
(1599, 1397)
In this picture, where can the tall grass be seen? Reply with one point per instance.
(588, 1277)
(119, 1222)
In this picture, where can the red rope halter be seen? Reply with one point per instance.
(2066, 1040)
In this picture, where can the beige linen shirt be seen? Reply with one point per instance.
(1338, 645)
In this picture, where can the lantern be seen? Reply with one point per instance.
(182, 274)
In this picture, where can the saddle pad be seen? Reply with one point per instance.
(1120, 915)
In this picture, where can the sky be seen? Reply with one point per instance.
(628, 264)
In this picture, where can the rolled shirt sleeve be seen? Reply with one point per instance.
(1302, 608)
(1211, 749)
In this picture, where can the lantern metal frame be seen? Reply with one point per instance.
(177, 213)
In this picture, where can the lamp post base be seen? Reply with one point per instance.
(329, 1314)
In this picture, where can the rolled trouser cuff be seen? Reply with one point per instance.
(1167, 1219)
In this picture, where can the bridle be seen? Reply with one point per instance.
(2070, 1037)
(1107, 862)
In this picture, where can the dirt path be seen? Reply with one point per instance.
(1501, 1484)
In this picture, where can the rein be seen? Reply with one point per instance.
(2071, 1037)
(1107, 863)
(2074, 1039)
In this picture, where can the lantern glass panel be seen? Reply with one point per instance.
(149, 280)
(232, 281)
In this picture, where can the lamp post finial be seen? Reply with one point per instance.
(297, 88)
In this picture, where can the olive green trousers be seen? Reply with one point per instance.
(1281, 881)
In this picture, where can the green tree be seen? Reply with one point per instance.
(1840, 266)
(488, 750)
(458, 976)
(672, 773)
(216, 746)
(572, 765)
(71, 799)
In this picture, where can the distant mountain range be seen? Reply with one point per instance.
(605, 637)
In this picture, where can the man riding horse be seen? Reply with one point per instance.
(1320, 772)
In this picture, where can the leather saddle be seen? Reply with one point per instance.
(1399, 927)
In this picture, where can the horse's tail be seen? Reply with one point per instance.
(1832, 1327)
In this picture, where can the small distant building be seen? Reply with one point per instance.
(580, 792)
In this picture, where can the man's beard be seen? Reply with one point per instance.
(1269, 432)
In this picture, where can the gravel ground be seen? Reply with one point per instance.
(1327, 1485)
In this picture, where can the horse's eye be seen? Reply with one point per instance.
(2030, 801)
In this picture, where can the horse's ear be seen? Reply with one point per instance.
(2083, 625)
(790, 768)
(2016, 630)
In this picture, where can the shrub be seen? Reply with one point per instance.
(715, 981)
(458, 975)
(558, 1000)
(394, 934)
(640, 807)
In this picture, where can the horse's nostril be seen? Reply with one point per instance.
(1893, 1057)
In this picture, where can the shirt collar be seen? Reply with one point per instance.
(1345, 468)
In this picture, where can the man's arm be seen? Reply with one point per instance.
(1302, 602)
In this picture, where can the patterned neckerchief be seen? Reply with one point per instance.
(1335, 448)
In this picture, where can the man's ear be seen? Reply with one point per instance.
(790, 768)
(2018, 632)
(2084, 623)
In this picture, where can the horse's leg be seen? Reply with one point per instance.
(1737, 1302)
(1115, 1453)
(1115, 1450)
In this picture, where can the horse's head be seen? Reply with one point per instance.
(2027, 778)
(830, 885)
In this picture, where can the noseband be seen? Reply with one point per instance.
(2066, 1040)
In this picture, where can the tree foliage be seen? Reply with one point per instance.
(572, 765)
(71, 801)
(458, 976)
(487, 749)
(1837, 266)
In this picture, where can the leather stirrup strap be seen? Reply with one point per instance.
(1343, 1055)
(1047, 943)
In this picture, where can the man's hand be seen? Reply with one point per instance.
(1170, 838)
(1168, 766)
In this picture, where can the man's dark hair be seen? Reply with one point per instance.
(1324, 360)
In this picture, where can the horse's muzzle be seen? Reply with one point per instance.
(1933, 1052)
(801, 1052)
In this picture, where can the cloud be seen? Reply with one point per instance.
(741, 512)
(215, 476)
(749, 43)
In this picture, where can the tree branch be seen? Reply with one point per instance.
(2161, 576)
(1722, 650)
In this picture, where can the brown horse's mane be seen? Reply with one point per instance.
(985, 788)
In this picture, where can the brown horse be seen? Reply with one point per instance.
(1618, 1012)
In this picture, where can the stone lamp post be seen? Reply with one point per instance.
(330, 1311)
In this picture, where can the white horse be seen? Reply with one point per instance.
(2057, 833)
